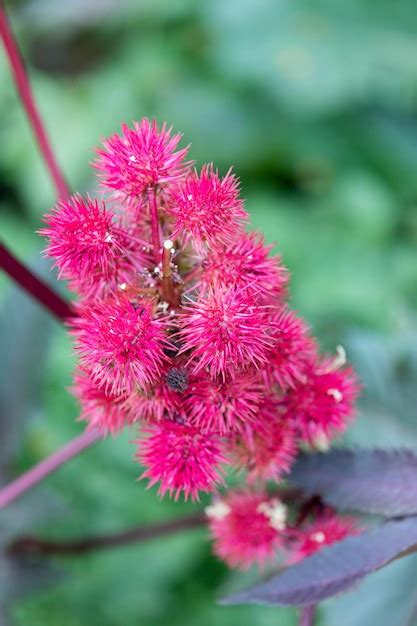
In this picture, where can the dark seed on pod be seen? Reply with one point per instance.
(177, 379)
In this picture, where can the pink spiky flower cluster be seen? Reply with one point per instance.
(252, 527)
(183, 325)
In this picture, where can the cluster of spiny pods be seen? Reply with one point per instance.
(182, 326)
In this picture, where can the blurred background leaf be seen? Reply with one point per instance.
(314, 103)
(25, 330)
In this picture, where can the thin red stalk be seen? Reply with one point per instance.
(25, 92)
(33, 285)
(21, 274)
(29, 479)
(153, 212)
(307, 615)
(38, 546)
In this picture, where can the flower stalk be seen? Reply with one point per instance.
(39, 290)
(16, 270)
(39, 472)
(37, 546)
(30, 545)
(22, 83)
(307, 615)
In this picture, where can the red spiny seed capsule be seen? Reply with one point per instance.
(322, 405)
(326, 529)
(225, 331)
(83, 238)
(245, 264)
(120, 343)
(291, 351)
(207, 208)
(141, 157)
(181, 458)
(222, 406)
(99, 409)
(266, 450)
(90, 247)
(246, 528)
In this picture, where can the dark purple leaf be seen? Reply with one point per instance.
(335, 568)
(371, 481)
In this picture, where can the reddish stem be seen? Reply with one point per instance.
(153, 212)
(22, 275)
(33, 285)
(23, 86)
(307, 615)
(38, 546)
(29, 479)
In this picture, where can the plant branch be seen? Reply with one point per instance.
(30, 545)
(36, 474)
(37, 546)
(33, 285)
(22, 83)
(307, 615)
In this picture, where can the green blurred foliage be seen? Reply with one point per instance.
(314, 103)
